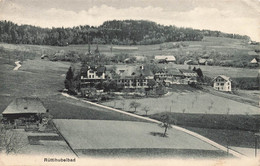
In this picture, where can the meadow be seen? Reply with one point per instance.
(196, 102)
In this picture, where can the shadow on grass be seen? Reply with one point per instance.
(158, 134)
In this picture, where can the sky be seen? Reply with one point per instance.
(231, 16)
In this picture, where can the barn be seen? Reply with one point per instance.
(24, 109)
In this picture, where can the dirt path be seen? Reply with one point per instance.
(235, 153)
(18, 65)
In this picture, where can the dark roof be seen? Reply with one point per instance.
(101, 69)
(136, 72)
(224, 77)
(186, 71)
(174, 71)
(25, 105)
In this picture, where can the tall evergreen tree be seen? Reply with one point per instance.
(69, 84)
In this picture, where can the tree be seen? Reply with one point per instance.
(199, 72)
(211, 105)
(192, 103)
(69, 81)
(146, 109)
(134, 105)
(228, 110)
(165, 123)
(10, 141)
(69, 75)
(123, 104)
(151, 83)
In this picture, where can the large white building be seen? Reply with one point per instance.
(90, 75)
(222, 83)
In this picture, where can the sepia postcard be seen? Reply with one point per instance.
(130, 82)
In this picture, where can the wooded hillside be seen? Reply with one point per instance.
(127, 32)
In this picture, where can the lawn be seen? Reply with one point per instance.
(193, 102)
(94, 136)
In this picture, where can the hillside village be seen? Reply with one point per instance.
(129, 82)
(147, 93)
(94, 79)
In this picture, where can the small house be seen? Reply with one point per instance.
(25, 109)
(222, 83)
(165, 58)
(255, 61)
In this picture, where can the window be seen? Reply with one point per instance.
(221, 84)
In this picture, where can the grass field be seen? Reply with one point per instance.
(236, 138)
(95, 136)
(213, 121)
(188, 102)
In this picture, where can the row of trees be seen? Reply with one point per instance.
(127, 32)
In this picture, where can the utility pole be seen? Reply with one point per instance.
(88, 44)
(256, 143)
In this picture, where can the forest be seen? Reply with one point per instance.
(127, 32)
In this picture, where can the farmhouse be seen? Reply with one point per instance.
(91, 74)
(165, 58)
(255, 61)
(203, 61)
(170, 76)
(138, 78)
(222, 83)
(24, 109)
